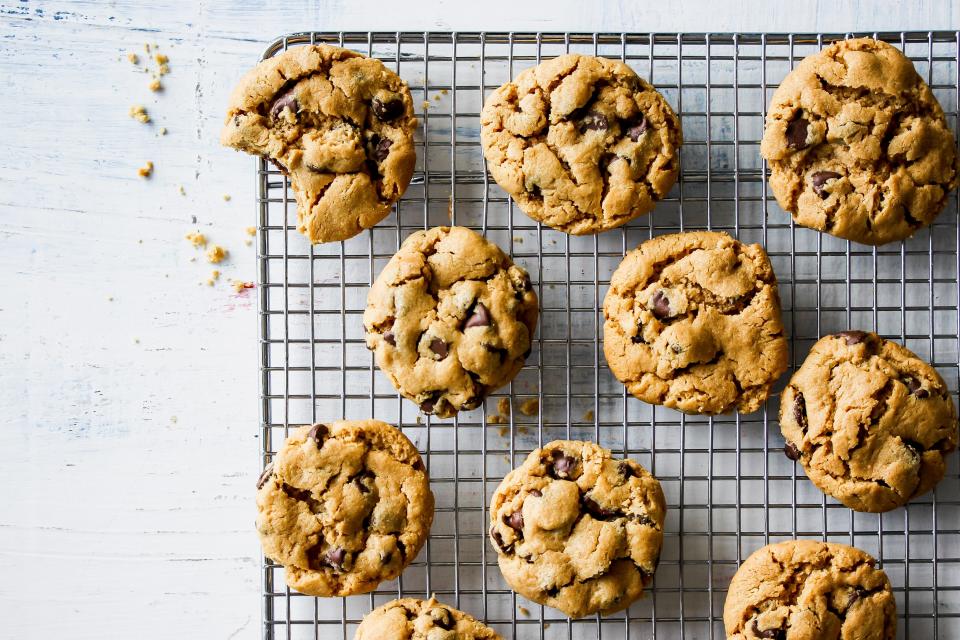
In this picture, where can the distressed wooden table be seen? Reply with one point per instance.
(128, 386)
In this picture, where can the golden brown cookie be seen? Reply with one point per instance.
(808, 590)
(340, 125)
(344, 506)
(692, 322)
(870, 422)
(578, 530)
(582, 144)
(412, 619)
(858, 145)
(450, 319)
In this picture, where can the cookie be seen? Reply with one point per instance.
(344, 506)
(450, 318)
(578, 530)
(692, 322)
(858, 145)
(809, 590)
(340, 125)
(412, 619)
(870, 422)
(581, 143)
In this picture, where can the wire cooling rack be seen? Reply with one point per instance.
(729, 487)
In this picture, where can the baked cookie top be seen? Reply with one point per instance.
(578, 530)
(692, 322)
(870, 422)
(412, 619)
(450, 318)
(344, 506)
(808, 590)
(858, 145)
(340, 125)
(582, 144)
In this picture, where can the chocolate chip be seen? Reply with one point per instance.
(359, 481)
(514, 520)
(335, 557)
(638, 129)
(382, 149)
(265, 475)
(441, 618)
(819, 179)
(536, 492)
(389, 338)
(498, 541)
(430, 403)
(790, 450)
(797, 133)
(417, 465)
(317, 433)
(857, 594)
(594, 121)
(773, 634)
(479, 317)
(800, 411)
(387, 110)
(915, 387)
(285, 100)
(593, 508)
(562, 465)
(625, 470)
(853, 337)
(439, 347)
(661, 306)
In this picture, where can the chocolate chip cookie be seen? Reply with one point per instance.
(344, 506)
(412, 619)
(858, 145)
(808, 590)
(582, 144)
(870, 422)
(450, 319)
(340, 125)
(578, 530)
(692, 322)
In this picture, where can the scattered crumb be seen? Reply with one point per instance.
(251, 231)
(226, 197)
(518, 239)
(183, 192)
(137, 112)
(216, 254)
(426, 104)
(248, 242)
(163, 132)
(173, 419)
(495, 418)
(163, 69)
(546, 625)
(502, 431)
(419, 421)
(444, 91)
(197, 239)
(133, 58)
(155, 85)
(146, 47)
(139, 241)
(136, 340)
(240, 285)
(214, 276)
(146, 170)
(503, 406)
(109, 298)
(502, 415)
(588, 416)
(522, 429)
(530, 407)
(507, 458)
(161, 58)
(523, 611)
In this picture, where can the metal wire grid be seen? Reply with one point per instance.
(729, 487)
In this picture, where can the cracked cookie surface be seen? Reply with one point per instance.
(858, 145)
(870, 422)
(413, 619)
(339, 124)
(450, 318)
(344, 506)
(692, 322)
(582, 143)
(578, 530)
(810, 590)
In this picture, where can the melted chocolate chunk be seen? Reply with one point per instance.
(389, 338)
(285, 100)
(498, 541)
(637, 129)
(819, 179)
(562, 465)
(317, 433)
(441, 618)
(594, 121)
(536, 492)
(382, 149)
(853, 337)
(773, 634)
(625, 470)
(265, 475)
(514, 520)
(800, 411)
(387, 110)
(661, 306)
(915, 387)
(797, 133)
(857, 594)
(790, 450)
(594, 509)
(439, 347)
(479, 317)
(362, 479)
(428, 405)
(335, 557)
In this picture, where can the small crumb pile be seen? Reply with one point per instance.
(138, 112)
(588, 416)
(530, 407)
(216, 254)
(146, 170)
(197, 239)
(502, 416)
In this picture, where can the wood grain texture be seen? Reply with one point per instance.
(128, 389)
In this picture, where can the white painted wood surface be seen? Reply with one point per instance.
(128, 390)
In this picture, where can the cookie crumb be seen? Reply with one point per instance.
(426, 105)
(146, 170)
(530, 407)
(155, 85)
(518, 239)
(163, 69)
(136, 341)
(133, 58)
(503, 406)
(523, 430)
(197, 239)
(216, 254)
(240, 285)
(248, 242)
(226, 197)
(109, 298)
(495, 418)
(163, 131)
(444, 91)
(137, 112)
(183, 192)
(523, 611)
(502, 431)
(173, 419)
(251, 231)
(588, 416)
(146, 47)
(161, 58)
